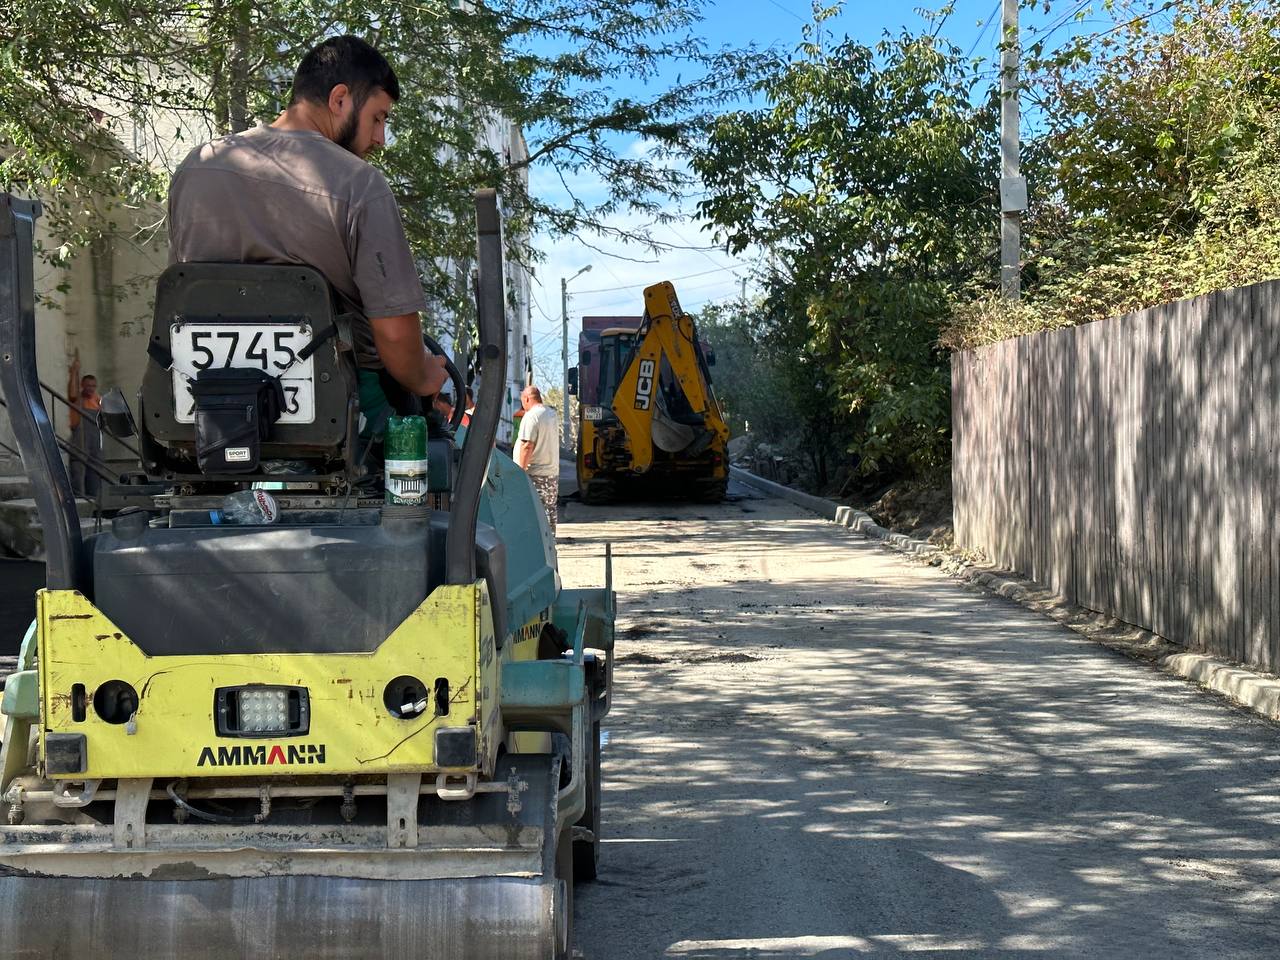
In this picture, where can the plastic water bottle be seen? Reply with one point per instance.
(247, 508)
(404, 447)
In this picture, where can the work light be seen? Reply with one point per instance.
(260, 711)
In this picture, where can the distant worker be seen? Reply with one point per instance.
(469, 409)
(444, 406)
(537, 449)
(301, 191)
(86, 438)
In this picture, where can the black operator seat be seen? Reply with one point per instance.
(338, 578)
(335, 579)
(278, 319)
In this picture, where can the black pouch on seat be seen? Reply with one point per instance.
(235, 408)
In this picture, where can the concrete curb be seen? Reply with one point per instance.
(823, 508)
(1258, 692)
(855, 520)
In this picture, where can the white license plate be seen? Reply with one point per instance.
(272, 347)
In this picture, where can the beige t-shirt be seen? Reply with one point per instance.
(294, 196)
(539, 426)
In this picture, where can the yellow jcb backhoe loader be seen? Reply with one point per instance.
(649, 423)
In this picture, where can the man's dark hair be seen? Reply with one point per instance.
(348, 60)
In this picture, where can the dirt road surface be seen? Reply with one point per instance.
(821, 749)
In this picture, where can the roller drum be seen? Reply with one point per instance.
(320, 918)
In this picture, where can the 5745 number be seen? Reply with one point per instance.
(256, 350)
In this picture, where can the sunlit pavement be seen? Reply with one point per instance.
(820, 749)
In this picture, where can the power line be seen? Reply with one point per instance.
(789, 13)
(986, 25)
(1043, 35)
(637, 286)
(534, 299)
(605, 264)
(546, 339)
(706, 256)
(610, 305)
(711, 300)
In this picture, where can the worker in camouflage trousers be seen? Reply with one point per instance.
(537, 449)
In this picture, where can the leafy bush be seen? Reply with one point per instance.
(867, 178)
(1156, 178)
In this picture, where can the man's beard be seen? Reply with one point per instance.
(350, 129)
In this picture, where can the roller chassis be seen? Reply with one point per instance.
(490, 844)
(701, 479)
(377, 841)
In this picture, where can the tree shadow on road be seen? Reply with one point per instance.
(836, 767)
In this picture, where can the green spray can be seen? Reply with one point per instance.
(405, 449)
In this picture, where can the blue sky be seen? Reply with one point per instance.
(614, 284)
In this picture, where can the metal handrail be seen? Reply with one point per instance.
(100, 467)
(86, 413)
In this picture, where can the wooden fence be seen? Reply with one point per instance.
(1133, 465)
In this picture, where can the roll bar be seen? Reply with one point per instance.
(460, 542)
(20, 382)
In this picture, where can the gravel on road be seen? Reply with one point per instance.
(821, 749)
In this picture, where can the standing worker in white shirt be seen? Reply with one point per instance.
(538, 449)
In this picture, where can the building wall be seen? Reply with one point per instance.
(98, 302)
(507, 140)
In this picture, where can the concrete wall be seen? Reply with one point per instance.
(98, 301)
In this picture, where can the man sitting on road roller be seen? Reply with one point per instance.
(300, 191)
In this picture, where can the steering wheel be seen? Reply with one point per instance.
(459, 385)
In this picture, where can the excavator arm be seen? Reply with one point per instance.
(667, 333)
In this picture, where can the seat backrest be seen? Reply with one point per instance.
(259, 316)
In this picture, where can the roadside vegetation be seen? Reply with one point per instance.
(98, 102)
(869, 182)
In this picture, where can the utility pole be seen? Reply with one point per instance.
(1013, 186)
(564, 353)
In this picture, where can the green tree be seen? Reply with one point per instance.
(766, 379)
(868, 179)
(1139, 122)
(79, 84)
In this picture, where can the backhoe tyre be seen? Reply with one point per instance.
(586, 853)
(714, 491)
(597, 493)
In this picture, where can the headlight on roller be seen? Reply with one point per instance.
(262, 711)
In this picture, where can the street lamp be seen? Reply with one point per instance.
(564, 350)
